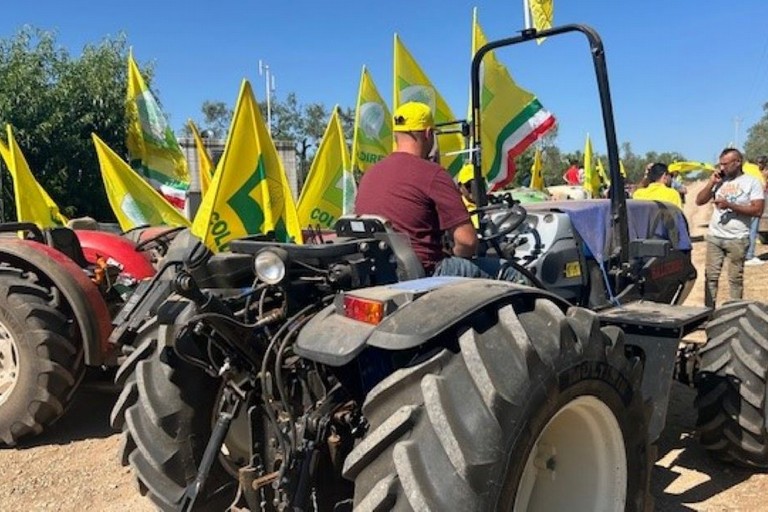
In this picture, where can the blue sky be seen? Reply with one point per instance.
(687, 76)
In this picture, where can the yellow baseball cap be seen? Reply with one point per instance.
(413, 117)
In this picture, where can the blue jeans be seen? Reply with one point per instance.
(484, 267)
(753, 226)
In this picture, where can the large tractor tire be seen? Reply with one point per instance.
(535, 411)
(731, 384)
(40, 364)
(166, 412)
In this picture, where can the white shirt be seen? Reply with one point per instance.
(741, 190)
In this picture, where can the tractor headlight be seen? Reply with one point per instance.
(270, 265)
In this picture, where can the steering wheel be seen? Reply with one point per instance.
(160, 240)
(495, 230)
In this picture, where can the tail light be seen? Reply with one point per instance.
(363, 310)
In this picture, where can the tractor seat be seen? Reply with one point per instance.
(66, 242)
(374, 226)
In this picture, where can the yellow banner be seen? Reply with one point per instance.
(372, 138)
(412, 84)
(543, 14)
(249, 193)
(322, 199)
(134, 202)
(601, 173)
(204, 162)
(33, 204)
(152, 146)
(511, 117)
(537, 176)
(591, 179)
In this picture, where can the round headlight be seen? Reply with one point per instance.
(269, 266)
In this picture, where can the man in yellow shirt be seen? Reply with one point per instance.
(658, 188)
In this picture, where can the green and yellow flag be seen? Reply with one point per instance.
(604, 178)
(543, 13)
(153, 150)
(537, 176)
(249, 193)
(591, 178)
(412, 84)
(205, 164)
(33, 204)
(511, 117)
(134, 202)
(326, 191)
(372, 137)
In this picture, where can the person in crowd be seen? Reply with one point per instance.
(754, 227)
(571, 175)
(421, 200)
(737, 197)
(658, 188)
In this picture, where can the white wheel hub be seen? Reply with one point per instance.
(9, 363)
(578, 462)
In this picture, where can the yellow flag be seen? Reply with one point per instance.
(622, 170)
(323, 196)
(412, 84)
(33, 204)
(542, 12)
(537, 178)
(511, 117)
(372, 138)
(591, 179)
(205, 164)
(249, 193)
(134, 202)
(153, 149)
(601, 173)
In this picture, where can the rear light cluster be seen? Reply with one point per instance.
(363, 310)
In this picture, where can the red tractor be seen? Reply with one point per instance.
(59, 290)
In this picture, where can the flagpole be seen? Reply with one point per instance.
(269, 81)
(527, 14)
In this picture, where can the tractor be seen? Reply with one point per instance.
(336, 375)
(59, 291)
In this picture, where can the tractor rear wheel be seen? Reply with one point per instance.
(731, 384)
(40, 365)
(537, 410)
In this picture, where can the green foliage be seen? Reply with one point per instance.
(757, 137)
(54, 102)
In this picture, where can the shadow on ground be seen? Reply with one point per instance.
(685, 476)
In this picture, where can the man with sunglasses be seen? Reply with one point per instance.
(737, 198)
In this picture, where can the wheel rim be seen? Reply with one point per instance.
(9, 364)
(578, 462)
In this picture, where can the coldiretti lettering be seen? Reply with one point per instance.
(369, 158)
(322, 217)
(219, 230)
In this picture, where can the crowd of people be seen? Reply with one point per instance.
(421, 200)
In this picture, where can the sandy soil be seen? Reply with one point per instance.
(75, 466)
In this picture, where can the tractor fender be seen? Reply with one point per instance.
(88, 306)
(417, 311)
(96, 244)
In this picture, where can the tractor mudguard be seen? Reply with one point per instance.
(416, 312)
(109, 245)
(88, 307)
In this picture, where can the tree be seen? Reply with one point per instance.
(757, 137)
(54, 102)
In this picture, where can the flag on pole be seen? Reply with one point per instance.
(604, 178)
(326, 190)
(372, 137)
(33, 204)
(412, 84)
(591, 179)
(249, 193)
(205, 164)
(134, 202)
(153, 150)
(622, 170)
(537, 177)
(511, 117)
(543, 15)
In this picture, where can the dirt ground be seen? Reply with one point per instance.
(75, 466)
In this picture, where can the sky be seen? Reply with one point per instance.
(687, 75)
